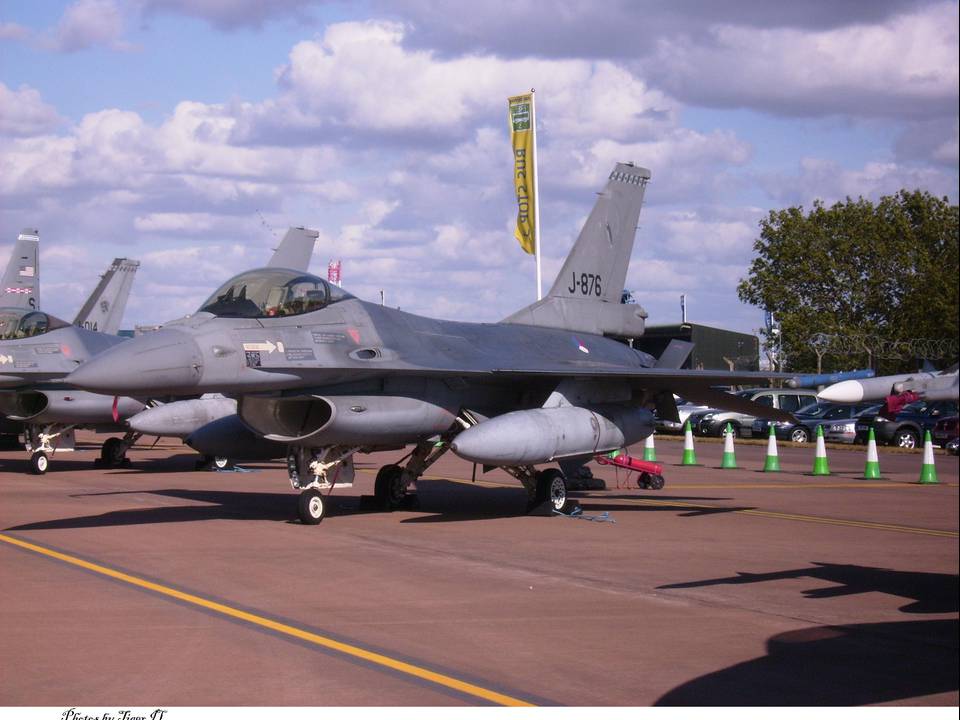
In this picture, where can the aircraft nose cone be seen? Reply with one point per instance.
(152, 421)
(848, 391)
(160, 362)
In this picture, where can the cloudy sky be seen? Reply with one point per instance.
(189, 134)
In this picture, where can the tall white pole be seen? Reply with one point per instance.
(536, 193)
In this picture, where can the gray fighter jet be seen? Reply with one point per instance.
(37, 350)
(41, 350)
(20, 288)
(196, 420)
(331, 375)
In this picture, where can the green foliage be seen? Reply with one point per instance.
(857, 268)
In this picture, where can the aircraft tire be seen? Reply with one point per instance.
(389, 489)
(552, 487)
(112, 453)
(39, 463)
(311, 507)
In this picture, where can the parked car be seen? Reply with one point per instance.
(685, 409)
(945, 431)
(908, 426)
(809, 418)
(845, 431)
(714, 422)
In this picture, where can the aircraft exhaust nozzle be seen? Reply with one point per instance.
(164, 360)
(529, 437)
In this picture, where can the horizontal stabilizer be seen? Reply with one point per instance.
(675, 355)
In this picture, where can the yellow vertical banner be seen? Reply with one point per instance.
(521, 138)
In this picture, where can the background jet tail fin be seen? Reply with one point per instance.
(20, 286)
(587, 293)
(104, 309)
(295, 250)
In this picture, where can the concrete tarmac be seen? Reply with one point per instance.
(159, 585)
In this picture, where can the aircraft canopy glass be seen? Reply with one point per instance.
(17, 323)
(272, 292)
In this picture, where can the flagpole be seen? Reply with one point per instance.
(536, 192)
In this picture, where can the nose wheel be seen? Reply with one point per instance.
(311, 507)
(39, 462)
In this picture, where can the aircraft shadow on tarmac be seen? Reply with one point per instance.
(836, 665)
(438, 501)
(446, 501)
(847, 664)
(930, 592)
(222, 505)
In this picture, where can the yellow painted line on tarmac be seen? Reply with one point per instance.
(314, 638)
(802, 518)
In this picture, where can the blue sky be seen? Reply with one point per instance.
(164, 130)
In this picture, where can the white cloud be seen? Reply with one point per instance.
(360, 76)
(90, 23)
(826, 180)
(13, 31)
(23, 112)
(905, 67)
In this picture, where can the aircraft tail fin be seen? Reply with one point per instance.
(20, 286)
(104, 309)
(295, 250)
(586, 295)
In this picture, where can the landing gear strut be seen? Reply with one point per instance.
(542, 486)
(314, 469)
(390, 488)
(113, 452)
(43, 442)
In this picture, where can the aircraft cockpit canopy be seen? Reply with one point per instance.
(17, 323)
(272, 292)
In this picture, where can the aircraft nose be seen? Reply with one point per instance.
(165, 361)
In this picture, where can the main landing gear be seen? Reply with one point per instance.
(542, 486)
(113, 452)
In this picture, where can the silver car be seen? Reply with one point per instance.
(845, 431)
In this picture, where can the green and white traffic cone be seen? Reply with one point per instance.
(772, 463)
(871, 471)
(649, 451)
(729, 461)
(928, 473)
(689, 454)
(820, 464)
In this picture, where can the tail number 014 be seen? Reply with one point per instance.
(586, 284)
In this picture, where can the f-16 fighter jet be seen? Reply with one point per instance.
(209, 423)
(37, 350)
(331, 375)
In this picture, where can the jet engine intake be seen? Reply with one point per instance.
(368, 420)
(68, 407)
(530, 437)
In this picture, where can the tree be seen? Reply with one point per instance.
(878, 275)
